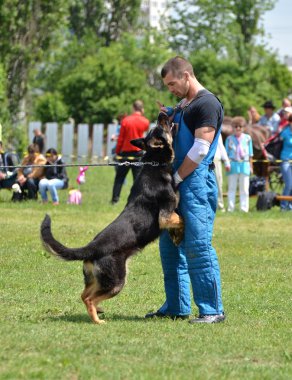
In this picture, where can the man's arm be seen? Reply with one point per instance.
(188, 166)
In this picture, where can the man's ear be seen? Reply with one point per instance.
(186, 75)
(139, 143)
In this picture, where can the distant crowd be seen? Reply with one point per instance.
(43, 173)
(274, 120)
(38, 172)
(237, 154)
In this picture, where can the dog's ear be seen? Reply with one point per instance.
(139, 143)
(162, 117)
(156, 143)
(163, 120)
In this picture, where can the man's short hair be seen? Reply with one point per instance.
(177, 66)
(138, 105)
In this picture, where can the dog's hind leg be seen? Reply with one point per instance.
(172, 220)
(90, 302)
(174, 223)
(99, 310)
(91, 288)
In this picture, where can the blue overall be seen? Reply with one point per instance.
(194, 261)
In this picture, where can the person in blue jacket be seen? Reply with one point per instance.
(199, 117)
(286, 164)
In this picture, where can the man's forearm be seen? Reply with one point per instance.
(187, 167)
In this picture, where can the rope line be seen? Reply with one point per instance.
(124, 163)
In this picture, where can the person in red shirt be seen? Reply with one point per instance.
(132, 127)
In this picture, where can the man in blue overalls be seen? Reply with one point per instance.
(199, 117)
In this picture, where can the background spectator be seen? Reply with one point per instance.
(286, 166)
(7, 175)
(220, 155)
(115, 136)
(270, 119)
(28, 177)
(39, 140)
(253, 115)
(132, 127)
(286, 113)
(281, 112)
(239, 150)
(55, 177)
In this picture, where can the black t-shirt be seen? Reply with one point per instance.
(205, 110)
(39, 140)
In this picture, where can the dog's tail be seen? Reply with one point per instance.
(56, 248)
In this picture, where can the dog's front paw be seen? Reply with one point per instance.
(177, 235)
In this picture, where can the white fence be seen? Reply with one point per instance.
(93, 144)
(82, 145)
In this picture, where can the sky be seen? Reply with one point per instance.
(278, 28)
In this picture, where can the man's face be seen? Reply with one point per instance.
(269, 111)
(286, 115)
(286, 103)
(177, 86)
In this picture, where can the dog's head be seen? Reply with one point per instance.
(158, 142)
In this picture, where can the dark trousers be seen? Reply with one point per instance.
(31, 185)
(8, 182)
(121, 173)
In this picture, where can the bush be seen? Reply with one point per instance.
(50, 107)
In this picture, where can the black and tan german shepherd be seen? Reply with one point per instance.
(149, 209)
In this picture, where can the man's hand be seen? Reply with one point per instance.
(161, 107)
(21, 179)
(2, 175)
(177, 179)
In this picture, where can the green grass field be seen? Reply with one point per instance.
(45, 330)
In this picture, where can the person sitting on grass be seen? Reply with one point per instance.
(55, 177)
(7, 174)
(28, 177)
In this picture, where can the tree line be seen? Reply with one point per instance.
(89, 59)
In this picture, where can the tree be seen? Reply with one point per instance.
(239, 88)
(50, 107)
(98, 83)
(27, 29)
(221, 41)
(4, 117)
(107, 19)
(229, 28)
(104, 85)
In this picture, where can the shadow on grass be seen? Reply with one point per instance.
(76, 318)
(119, 317)
(84, 318)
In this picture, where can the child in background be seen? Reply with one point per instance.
(240, 152)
